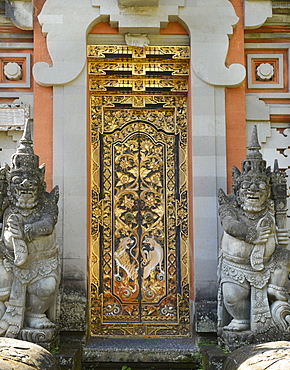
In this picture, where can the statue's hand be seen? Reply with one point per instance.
(263, 235)
(15, 229)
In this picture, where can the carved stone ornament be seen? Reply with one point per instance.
(209, 34)
(265, 71)
(254, 262)
(137, 40)
(29, 257)
(13, 71)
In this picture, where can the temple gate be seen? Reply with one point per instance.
(139, 190)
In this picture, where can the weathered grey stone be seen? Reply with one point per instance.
(206, 316)
(73, 307)
(151, 350)
(20, 12)
(213, 358)
(20, 355)
(254, 261)
(270, 356)
(69, 357)
(29, 257)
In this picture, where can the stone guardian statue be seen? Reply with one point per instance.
(254, 262)
(29, 257)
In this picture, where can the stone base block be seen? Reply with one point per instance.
(233, 340)
(212, 357)
(206, 317)
(47, 338)
(69, 357)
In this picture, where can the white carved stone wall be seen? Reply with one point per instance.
(12, 119)
(8, 145)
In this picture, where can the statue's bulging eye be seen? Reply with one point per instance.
(245, 185)
(262, 186)
(34, 182)
(16, 180)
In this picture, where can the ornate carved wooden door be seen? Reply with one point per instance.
(139, 258)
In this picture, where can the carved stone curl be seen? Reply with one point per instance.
(254, 262)
(29, 257)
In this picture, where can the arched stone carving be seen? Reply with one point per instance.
(210, 24)
(66, 26)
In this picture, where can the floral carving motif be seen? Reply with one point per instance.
(140, 189)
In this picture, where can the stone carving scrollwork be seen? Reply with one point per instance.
(29, 257)
(254, 305)
(209, 35)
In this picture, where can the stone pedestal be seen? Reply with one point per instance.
(234, 340)
(47, 338)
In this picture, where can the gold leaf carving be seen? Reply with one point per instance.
(139, 207)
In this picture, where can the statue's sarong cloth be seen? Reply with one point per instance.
(43, 263)
(238, 271)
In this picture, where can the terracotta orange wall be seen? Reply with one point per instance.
(103, 28)
(173, 28)
(235, 100)
(43, 104)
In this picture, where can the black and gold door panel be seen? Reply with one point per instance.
(139, 242)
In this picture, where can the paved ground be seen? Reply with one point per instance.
(141, 353)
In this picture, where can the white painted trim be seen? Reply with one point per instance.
(14, 45)
(267, 45)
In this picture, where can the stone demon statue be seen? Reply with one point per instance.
(254, 260)
(29, 258)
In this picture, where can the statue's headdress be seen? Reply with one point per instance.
(24, 160)
(253, 166)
